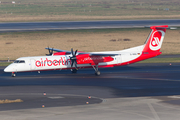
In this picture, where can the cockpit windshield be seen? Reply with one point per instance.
(19, 61)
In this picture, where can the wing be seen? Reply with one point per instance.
(99, 54)
(58, 50)
(81, 53)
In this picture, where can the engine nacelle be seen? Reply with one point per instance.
(61, 53)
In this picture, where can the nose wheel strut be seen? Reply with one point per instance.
(97, 72)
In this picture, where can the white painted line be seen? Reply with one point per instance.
(58, 97)
(178, 97)
(153, 112)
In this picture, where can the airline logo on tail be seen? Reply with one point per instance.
(156, 40)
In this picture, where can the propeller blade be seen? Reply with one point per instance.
(76, 65)
(72, 51)
(72, 62)
(51, 52)
(76, 52)
(73, 58)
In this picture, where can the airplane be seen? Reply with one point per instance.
(75, 60)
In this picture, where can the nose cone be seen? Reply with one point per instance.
(8, 69)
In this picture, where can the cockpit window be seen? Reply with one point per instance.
(19, 61)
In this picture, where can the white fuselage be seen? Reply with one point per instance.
(58, 62)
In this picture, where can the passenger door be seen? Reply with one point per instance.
(32, 64)
(118, 59)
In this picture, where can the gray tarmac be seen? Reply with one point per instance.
(67, 25)
(138, 91)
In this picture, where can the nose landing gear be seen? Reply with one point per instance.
(13, 74)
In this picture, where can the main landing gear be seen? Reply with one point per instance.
(13, 74)
(74, 70)
(97, 72)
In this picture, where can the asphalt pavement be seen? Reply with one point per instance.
(138, 91)
(66, 25)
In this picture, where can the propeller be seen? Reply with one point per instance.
(73, 58)
(50, 51)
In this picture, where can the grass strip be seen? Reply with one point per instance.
(161, 60)
(5, 63)
(10, 101)
(55, 10)
(87, 31)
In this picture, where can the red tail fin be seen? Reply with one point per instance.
(155, 39)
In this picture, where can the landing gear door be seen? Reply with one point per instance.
(32, 64)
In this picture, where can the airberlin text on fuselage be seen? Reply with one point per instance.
(55, 62)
